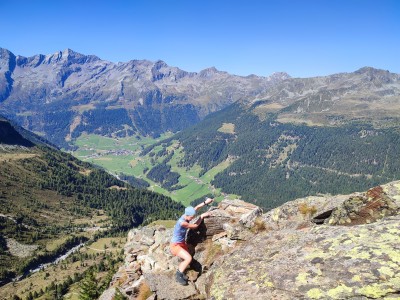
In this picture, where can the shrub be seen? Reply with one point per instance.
(307, 210)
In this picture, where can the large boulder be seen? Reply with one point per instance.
(296, 259)
(233, 217)
(369, 207)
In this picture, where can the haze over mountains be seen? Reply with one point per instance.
(61, 95)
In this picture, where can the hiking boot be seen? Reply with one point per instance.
(181, 278)
(184, 276)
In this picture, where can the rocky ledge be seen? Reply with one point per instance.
(332, 247)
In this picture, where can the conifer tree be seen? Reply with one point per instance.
(89, 289)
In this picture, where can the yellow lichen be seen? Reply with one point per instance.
(374, 291)
(394, 230)
(394, 256)
(315, 294)
(386, 271)
(358, 252)
(265, 279)
(395, 282)
(317, 253)
(340, 292)
(268, 284)
(388, 236)
(302, 278)
(356, 278)
(275, 215)
(397, 186)
(264, 276)
(377, 252)
(218, 291)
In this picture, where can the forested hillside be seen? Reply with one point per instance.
(47, 197)
(271, 162)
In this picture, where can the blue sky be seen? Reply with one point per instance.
(303, 38)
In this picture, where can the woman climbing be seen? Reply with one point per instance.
(178, 244)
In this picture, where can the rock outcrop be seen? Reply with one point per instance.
(150, 265)
(333, 247)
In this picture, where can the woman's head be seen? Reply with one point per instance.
(190, 212)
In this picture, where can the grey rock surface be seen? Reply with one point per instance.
(301, 260)
(287, 256)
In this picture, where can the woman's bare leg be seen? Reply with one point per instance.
(187, 258)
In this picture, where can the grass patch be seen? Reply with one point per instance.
(15, 156)
(165, 223)
(144, 291)
(227, 128)
(105, 245)
(54, 244)
(307, 210)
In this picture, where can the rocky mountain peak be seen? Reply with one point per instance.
(161, 71)
(7, 61)
(369, 70)
(376, 75)
(5, 54)
(278, 76)
(63, 58)
(159, 64)
(208, 72)
(68, 57)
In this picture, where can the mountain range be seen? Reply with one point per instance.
(61, 95)
(65, 93)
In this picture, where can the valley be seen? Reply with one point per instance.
(122, 156)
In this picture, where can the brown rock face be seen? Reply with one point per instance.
(364, 209)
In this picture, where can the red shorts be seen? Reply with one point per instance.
(176, 247)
